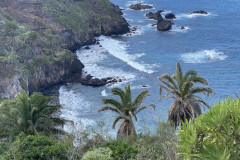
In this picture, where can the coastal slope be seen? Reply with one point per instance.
(38, 38)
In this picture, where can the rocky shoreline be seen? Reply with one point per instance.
(71, 33)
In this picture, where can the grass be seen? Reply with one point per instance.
(78, 15)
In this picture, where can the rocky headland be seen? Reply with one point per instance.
(38, 38)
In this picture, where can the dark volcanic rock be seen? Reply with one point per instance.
(164, 25)
(96, 82)
(156, 15)
(87, 47)
(51, 74)
(199, 12)
(140, 6)
(170, 16)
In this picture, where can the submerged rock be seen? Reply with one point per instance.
(164, 25)
(140, 6)
(199, 12)
(170, 16)
(87, 47)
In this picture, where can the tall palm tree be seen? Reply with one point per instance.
(181, 88)
(29, 114)
(126, 109)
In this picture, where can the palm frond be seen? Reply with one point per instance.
(167, 84)
(119, 92)
(110, 108)
(189, 74)
(198, 79)
(114, 103)
(186, 87)
(169, 79)
(116, 120)
(205, 90)
(179, 75)
(144, 107)
(139, 99)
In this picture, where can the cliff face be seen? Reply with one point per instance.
(77, 22)
(37, 38)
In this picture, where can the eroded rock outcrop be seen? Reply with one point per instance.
(155, 15)
(164, 25)
(170, 16)
(140, 6)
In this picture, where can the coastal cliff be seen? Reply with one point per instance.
(38, 38)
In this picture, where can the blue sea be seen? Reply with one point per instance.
(210, 44)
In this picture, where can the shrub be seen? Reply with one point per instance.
(83, 138)
(3, 149)
(214, 135)
(34, 147)
(122, 150)
(98, 154)
(160, 146)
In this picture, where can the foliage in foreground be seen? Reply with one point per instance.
(122, 150)
(126, 109)
(214, 135)
(181, 87)
(159, 146)
(29, 114)
(98, 154)
(36, 147)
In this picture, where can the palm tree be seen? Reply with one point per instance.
(126, 109)
(29, 114)
(181, 88)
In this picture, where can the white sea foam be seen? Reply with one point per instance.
(165, 12)
(178, 29)
(104, 93)
(136, 56)
(187, 15)
(91, 59)
(74, 107)
(204, 56)
(132, 2)
(118, 49)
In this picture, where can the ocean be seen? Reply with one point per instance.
(209, 45)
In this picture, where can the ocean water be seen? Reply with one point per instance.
(209, 45)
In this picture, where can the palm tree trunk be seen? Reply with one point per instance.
(127, 128)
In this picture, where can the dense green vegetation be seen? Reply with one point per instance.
(31, 115)
(78, 13)
(214, 135)
(35, 147)
(24, 50)
(29, 129)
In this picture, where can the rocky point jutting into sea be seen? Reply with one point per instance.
(38, 38)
